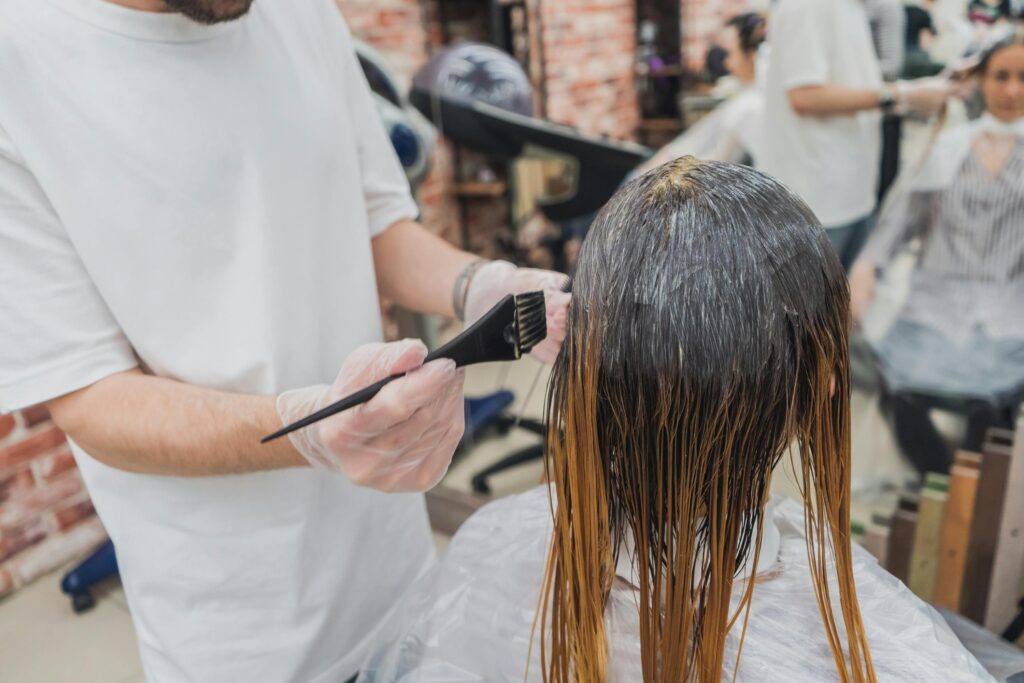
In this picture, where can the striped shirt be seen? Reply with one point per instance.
(888, 29)
(970, 272)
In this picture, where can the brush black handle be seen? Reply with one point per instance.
(350, 401)
(476, 344)
(359, 397)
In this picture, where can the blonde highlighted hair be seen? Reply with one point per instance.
(707, 335)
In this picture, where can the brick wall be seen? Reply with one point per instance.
(702, 22)
(588, 49)
(46, 518)
(399, 29)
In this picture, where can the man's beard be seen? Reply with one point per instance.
(210, 11)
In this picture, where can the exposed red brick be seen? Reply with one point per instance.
(17, 512)
(28, 448)
(7, 424)
(15, 540)
(35, 415)
(55, 464)
(72, 514)
(56, 550)
(16, 484)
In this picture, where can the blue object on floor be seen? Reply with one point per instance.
(483, 412)
(101, 565)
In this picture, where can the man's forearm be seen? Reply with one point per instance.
(417, 269)
(154, 425)
(829, 99)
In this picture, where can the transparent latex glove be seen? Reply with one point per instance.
(403, 438)
(496, 279)
(926, 96)
(862, 289)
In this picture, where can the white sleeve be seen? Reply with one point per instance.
(797, 34)
(385, 187)
(57, 333)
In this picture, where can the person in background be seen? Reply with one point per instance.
(920, 34)
(960, 332)
(888, 26)
(824, 96)
(989, 12)
(888, 29)
(732, 131)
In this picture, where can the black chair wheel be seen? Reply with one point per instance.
(480, 485)
(82, 602)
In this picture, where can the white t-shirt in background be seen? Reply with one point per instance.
(830, 161)
(202, 199)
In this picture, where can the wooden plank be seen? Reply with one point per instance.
(956, 529)
(876, 538)
(901, 538)
(924, 562)
(1008, 564)
(985, 522)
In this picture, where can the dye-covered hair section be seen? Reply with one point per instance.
(707, 327)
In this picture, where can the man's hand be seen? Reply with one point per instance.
(926, 96)
(403, 438)
(498, 278)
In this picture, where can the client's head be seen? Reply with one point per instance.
(741, 38)
(1000, 73)
(706, 336)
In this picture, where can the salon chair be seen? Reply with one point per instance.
(1002, 409)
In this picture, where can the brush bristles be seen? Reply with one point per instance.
(531, 320)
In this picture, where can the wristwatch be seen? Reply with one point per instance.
(886, 100)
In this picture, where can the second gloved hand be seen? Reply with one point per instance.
(926, 96)
(496, 279)
(403, 438)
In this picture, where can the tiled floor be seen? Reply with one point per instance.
(42, 641)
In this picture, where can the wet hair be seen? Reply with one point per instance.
(750, 27)
(707, 326)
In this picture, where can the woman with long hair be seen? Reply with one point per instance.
(732, 131)
(706, 342)
(958, 336)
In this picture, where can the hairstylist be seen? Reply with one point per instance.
(823, 99)
(198, 208)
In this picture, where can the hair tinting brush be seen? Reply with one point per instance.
(508, 331)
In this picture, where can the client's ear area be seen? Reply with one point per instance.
(832, 385)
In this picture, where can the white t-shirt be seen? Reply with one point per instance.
(200, 201)
(830, 161)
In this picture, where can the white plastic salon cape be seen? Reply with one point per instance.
(949, 244)
(469, 619)
(199, 201)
